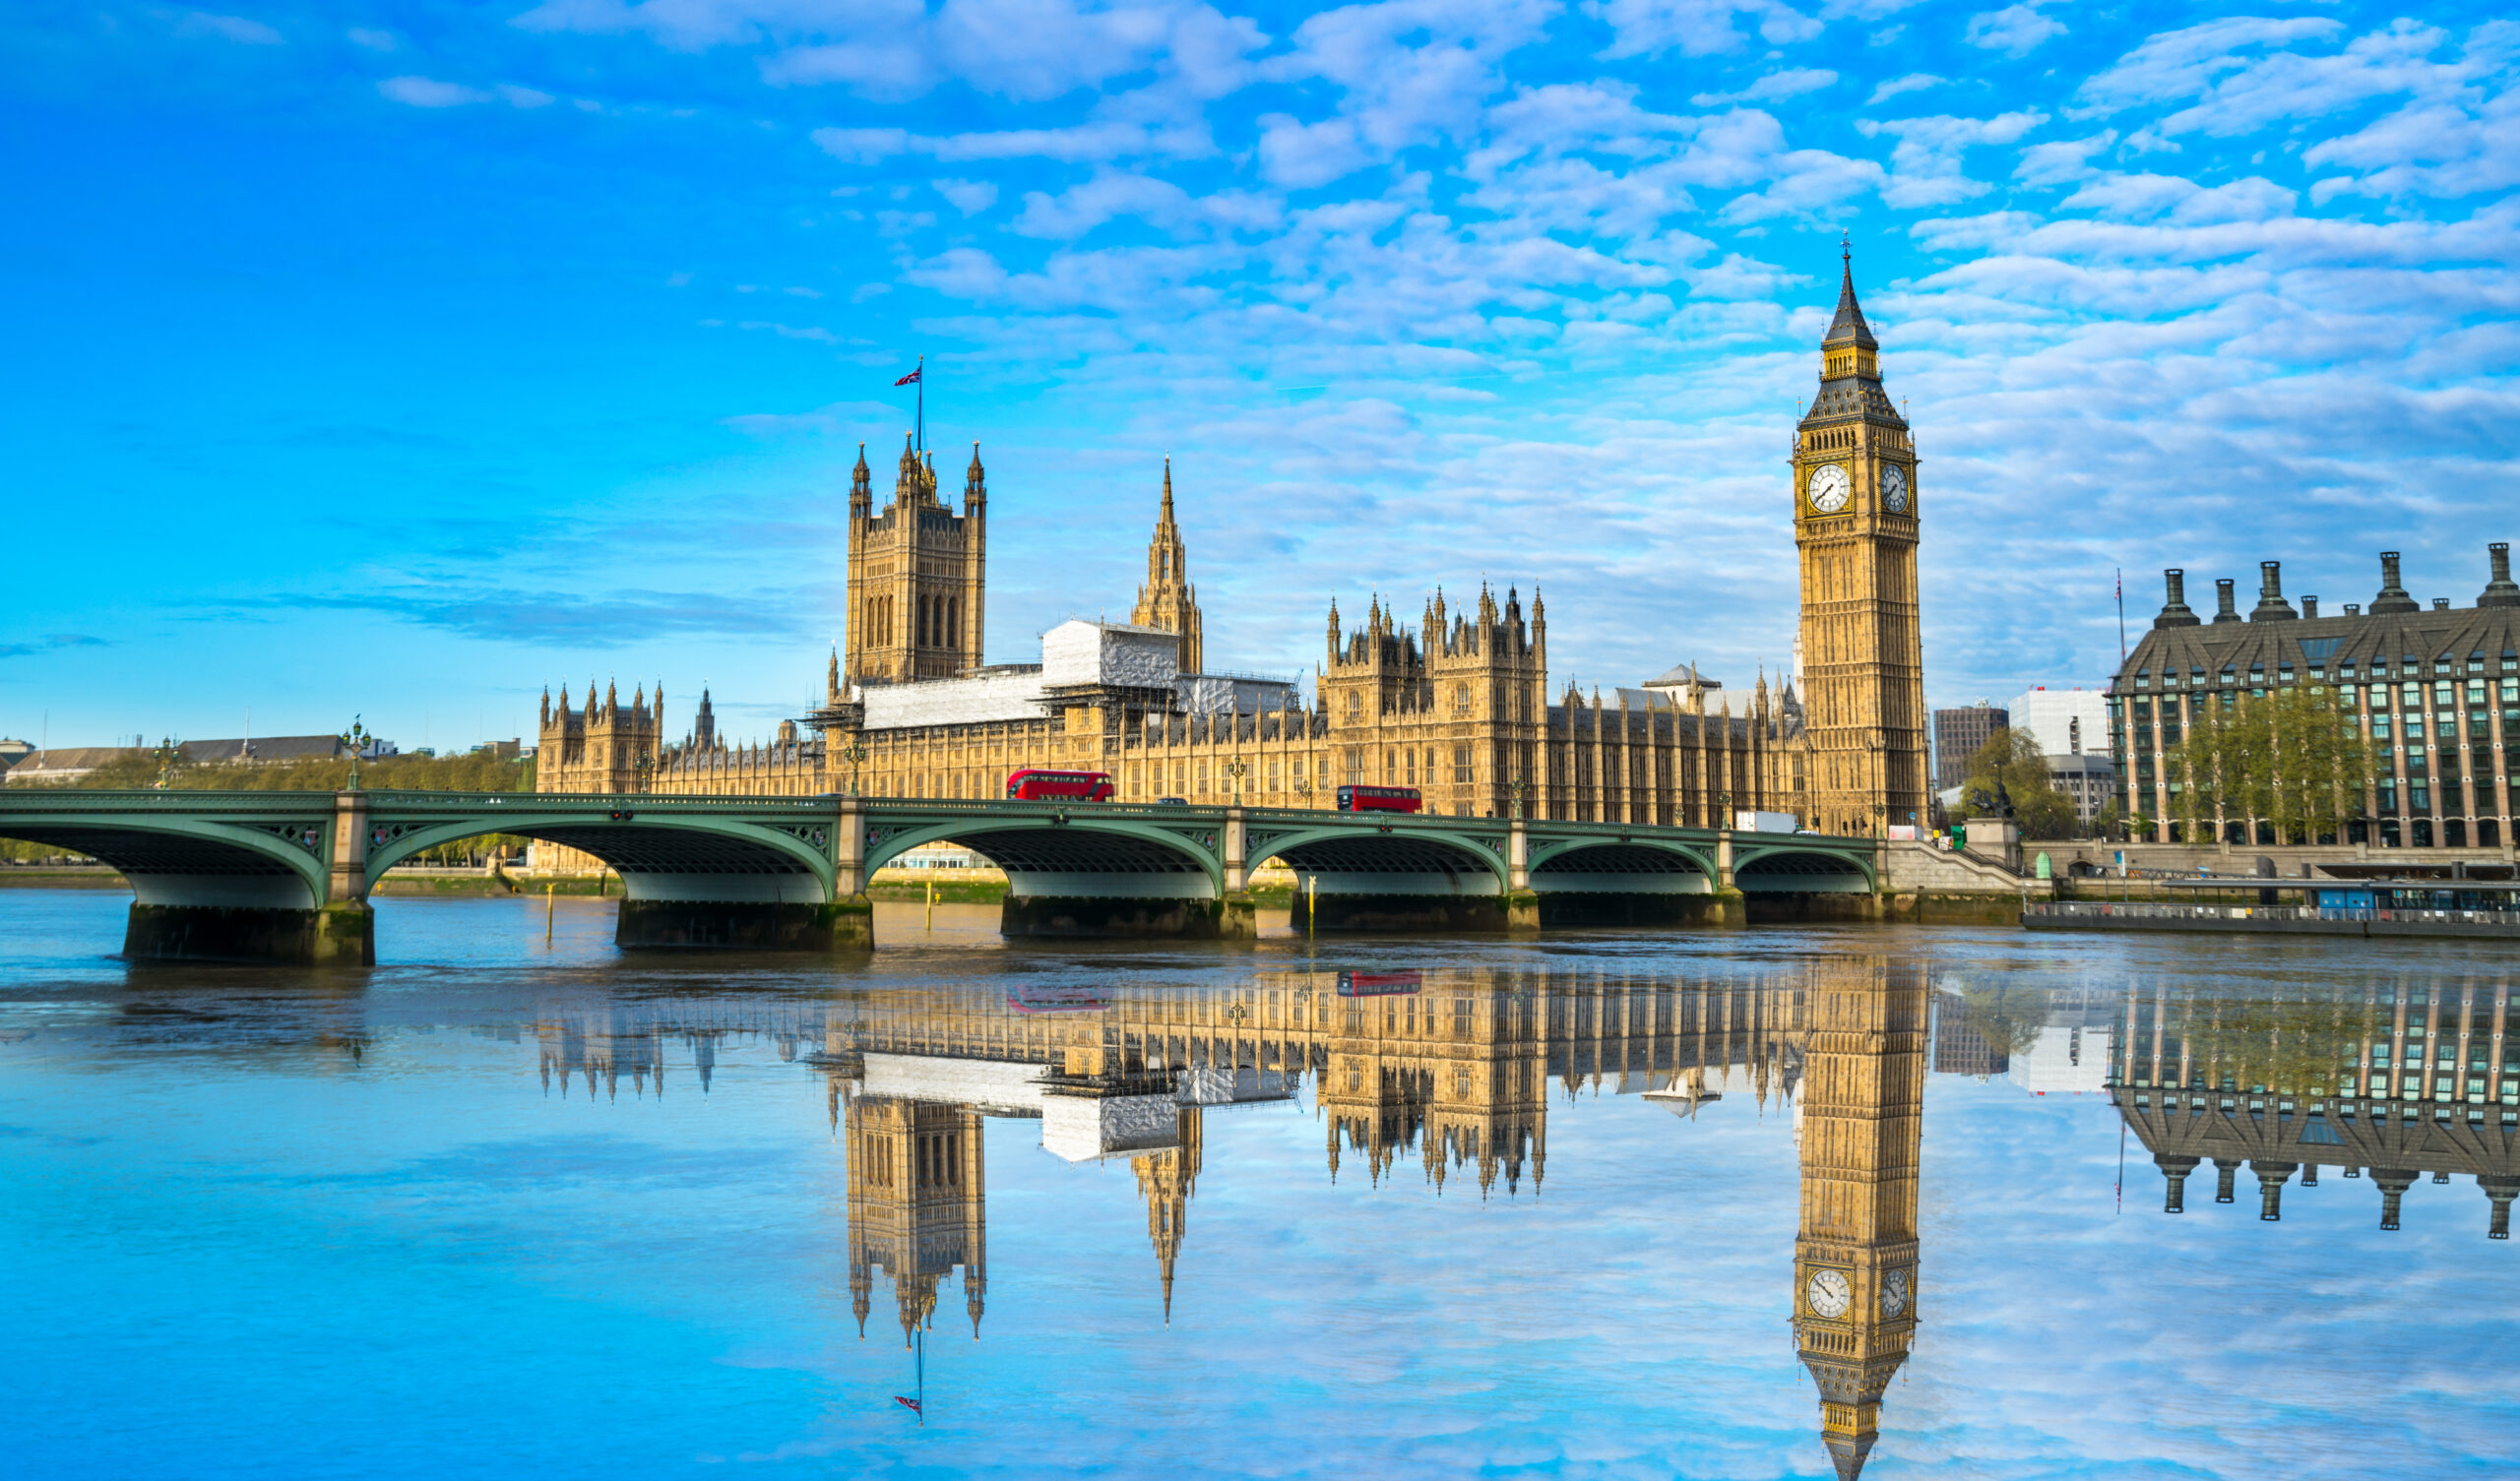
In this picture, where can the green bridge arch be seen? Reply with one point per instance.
(587, 830)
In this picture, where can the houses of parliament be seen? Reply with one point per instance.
(1458, 705)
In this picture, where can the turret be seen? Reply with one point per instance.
(2225, 608)
(2499, 591)
(2392, 597)
(2175, 611)
(2271, 605)
(2501, 1191)
(862, 487)
(974, 482)
(2175, 1168)
(2271, 1177)
(2394, 1182)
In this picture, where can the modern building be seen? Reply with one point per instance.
(1957, 736)
(2433, 691)
(1460, 707)
(2088, 777)
(2063, 721)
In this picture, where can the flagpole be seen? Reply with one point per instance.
(922, 406)
(2121, 617)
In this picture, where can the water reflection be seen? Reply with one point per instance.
(1452, 1068)
(2397, 1078)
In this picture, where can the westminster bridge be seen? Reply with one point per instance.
(286, 876)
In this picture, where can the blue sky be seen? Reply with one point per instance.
(402, 359)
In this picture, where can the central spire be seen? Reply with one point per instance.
(1167, 601)
(1849, 327)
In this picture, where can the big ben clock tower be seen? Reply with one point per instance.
(1855, 522)
(1854, 1258)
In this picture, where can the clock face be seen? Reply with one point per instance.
(1829, 488)
(1893, 1293)
(1828, 1293)
(1894, 488)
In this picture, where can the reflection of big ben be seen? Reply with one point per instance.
(1854, 1260)
(1854, 520)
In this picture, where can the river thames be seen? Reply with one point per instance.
(1614, 1205)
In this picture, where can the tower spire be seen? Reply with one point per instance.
(1849, 328)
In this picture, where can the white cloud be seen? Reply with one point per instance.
(1159, 203)
(372, 40)
(969, 197)
(1790, 82)
(1696, 27)
(894, 49)
(2144, 197)
(1913, 81)
(1410, 72)
(2015, 30)
(232, 28)
(2061, 161)
(1089, 143)
(1925, 163)
(2184, 63)
(429, 93)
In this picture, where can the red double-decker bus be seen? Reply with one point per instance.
(1379, 800)
(1029, 785)
(1378, 984)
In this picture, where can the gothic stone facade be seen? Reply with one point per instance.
(1459, 707)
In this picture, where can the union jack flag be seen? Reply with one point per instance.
(910, 378)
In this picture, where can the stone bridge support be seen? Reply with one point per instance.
(199, 898)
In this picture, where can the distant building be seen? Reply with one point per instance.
(272, 749)
(2088, 777)
(1957, 735)
(62, 765)
(2065, 722)
(1958, 1046)
(13, 752)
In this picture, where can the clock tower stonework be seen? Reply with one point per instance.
(1854, 523)
(1854, 1256)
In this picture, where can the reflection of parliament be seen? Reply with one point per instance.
(1459, 708)
(1455, 1066)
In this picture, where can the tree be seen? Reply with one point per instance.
(2011, 761)
(2292, 758)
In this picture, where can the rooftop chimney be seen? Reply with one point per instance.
(2174, 612)
(2271, 605)
(2225, 610)
(2392, 597)
(2440, 604)
(2309, 608)
(2354, 609)
(2501, 593)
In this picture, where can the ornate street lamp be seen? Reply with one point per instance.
(1518, 787)
(169, 750)
(1235, 768)
(353, 740)
(856, 753)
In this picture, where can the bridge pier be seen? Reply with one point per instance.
(1317, 911)
(339, 935)
(747, 925)
(1030, 916)
(1565, 909)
